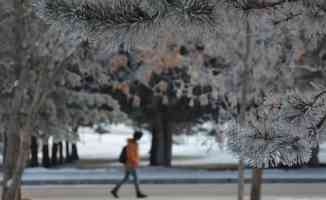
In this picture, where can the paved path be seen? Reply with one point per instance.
(178, 192)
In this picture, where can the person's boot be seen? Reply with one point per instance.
(141, 195)
(114, 193)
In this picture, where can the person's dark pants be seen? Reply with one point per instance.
(129, 171)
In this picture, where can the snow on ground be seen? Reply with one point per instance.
(108, 146)
(322, 153)
(193, 149)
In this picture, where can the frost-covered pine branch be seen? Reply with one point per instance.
(130, 22)
(275, 4)
(306, 111)
(97, 15)
(268, 140)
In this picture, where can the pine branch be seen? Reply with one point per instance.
(288, 18)
(131, 22)
(323, 119)
(316, 98)
(247, 5)
(201, 11)
(97, 15)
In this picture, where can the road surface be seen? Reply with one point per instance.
(178, 192)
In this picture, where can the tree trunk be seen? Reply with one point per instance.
(61, 158)
(11, 155)
(45, 156)
(74, 152)
(18, 128)
(153, 159)
(54, 157)
(161, 149)
(257, 174)
(34, 152)
(68, 154)
(241, 182)
(17, 152)
(167, 144)
(245, 78)
(314, 160)
(5, 146)
(157, 149)
(18, 192)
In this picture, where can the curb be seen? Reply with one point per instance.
(170, 181)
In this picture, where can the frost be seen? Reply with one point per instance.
(210, 29)
(269, 141)
(9, 183)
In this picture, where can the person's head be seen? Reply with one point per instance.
(138, 135)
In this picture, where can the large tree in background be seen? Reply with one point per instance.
(76, 101)
(81, 97)
(156, 94)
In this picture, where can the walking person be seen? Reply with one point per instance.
(131, 163)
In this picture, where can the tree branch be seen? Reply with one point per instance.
(259, 4)
(96, 15)
(288, 18)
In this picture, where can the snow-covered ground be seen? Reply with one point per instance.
(193, 149)
(190, 148)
